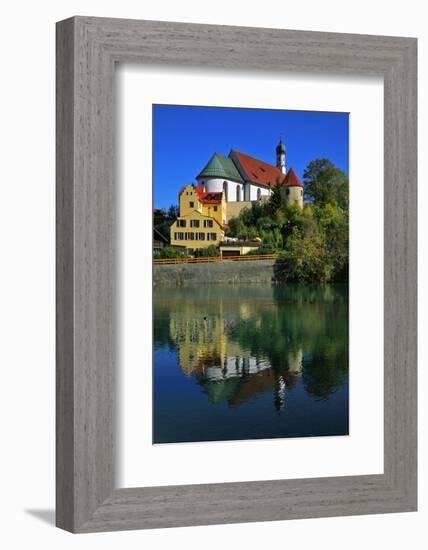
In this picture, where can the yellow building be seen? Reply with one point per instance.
(201, 221)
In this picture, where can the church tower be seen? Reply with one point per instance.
(293, 188)
(280, 156)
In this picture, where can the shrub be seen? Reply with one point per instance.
(208, 252)
(263, 249)
(168, 253)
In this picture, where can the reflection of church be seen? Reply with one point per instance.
(227, 371)
(243, 379)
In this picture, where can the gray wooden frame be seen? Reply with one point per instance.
(87, 50)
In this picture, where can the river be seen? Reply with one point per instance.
(235, 362)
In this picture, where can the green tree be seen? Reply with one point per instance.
(326, 184)
(314, 241)
(334, 225)
(277, 198)
(305, 259)
(172, 213)
(159, 216)
(293, 220)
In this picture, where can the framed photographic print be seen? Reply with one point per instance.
(236, 274)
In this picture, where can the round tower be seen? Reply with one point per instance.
(293, 189)
(280, 156)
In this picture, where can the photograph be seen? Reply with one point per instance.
(250, 273)
(211, 258)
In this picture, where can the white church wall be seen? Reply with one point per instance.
(232, 190)
(264, 192)
(212, 185)
(215, 185)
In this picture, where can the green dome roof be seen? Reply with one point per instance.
(220, 167)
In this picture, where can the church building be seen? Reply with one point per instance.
(224, 187)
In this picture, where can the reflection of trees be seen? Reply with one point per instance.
(314, 320)
(161, 333)
(279, 332)
(325, 372)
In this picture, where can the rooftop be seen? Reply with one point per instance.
(208, 198)
(291, 179)
(220, 167)
(258, 171)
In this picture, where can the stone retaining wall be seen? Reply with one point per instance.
(257, 271)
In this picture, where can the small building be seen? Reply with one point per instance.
(159, 240)
(239, 248)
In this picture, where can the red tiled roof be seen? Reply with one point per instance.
(207, 198)
(210, 198)
(257, 171)
(291, 179)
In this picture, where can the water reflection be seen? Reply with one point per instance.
(238, 344)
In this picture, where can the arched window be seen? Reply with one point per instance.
(259, 194)
(225, 190)
(238, 193)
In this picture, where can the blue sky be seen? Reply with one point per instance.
(184, 138)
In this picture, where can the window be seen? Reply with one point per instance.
(190, 236)
(301, 192)
(238, 193)
(211, 237)
(225, 190)
(259, 194)
(179, 236)
(181, 223)
(194, 223)
(215, 209)
(200, 236)
(287, 191)
(208, 223)
(191, 204)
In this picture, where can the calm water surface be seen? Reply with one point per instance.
(250, 362)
